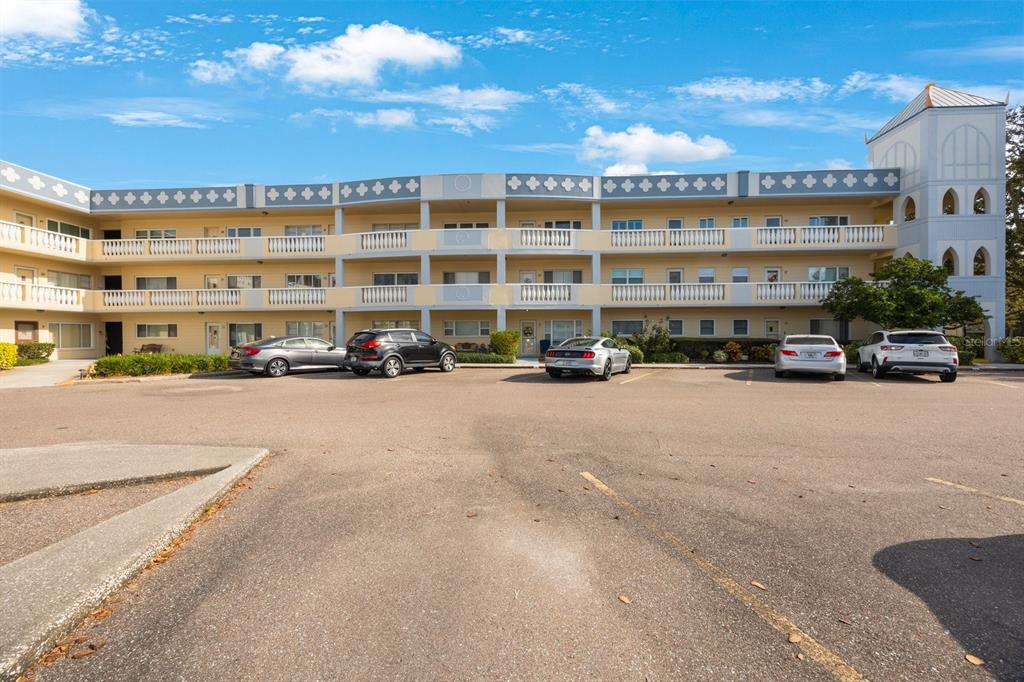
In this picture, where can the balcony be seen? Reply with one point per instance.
(42, 242)
(295, 298)
(42, 297)
(209, 248)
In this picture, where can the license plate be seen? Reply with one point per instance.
(920, 353)
(810, 355)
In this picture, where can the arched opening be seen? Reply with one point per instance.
(909, 210)
(950, 262)
(949, 202)
(981, 262)
(981, 202)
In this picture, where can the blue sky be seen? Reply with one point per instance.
(121, 94)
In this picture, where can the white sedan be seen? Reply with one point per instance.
(812, 354)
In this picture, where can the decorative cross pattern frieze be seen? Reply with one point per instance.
(826, 182)
(718, 183)
(129, 198)
(533, 183)
(809, 181)
(229, 194)
(10, 174)
(788, 181)
(891, 179)
(767, 182)
(645, 185)
(514, 183)
(36, 182)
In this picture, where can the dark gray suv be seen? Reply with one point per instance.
(390, 351)
(279, 355)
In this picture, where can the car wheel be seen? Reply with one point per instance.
(862, 366)
(839, 377)
(360, 371)
(876, 371)
(554, 374)
(629, 365)
(948, 377)
(447, 362)
(779, 374)
(392, 367)
(277, 368)
(606, 375)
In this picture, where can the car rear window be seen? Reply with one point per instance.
(809, 341)
(918, 337)
(578, 343)
(362, 337)
(265, 342)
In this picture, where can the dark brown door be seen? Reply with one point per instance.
(26, 332)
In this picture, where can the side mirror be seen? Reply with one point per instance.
(330, 348)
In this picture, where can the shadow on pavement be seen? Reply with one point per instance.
(768, 376)
(541, 377)
(977, 592)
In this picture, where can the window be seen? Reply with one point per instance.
(71, 335)
(69, 279)
(837, 329)
(980, 202)
(675, 223)
(773, 221)
(159, 283)
(244, 332)
(402, 337)
(392, 227)
(563, 276)
(627, 327)
(564, 224)
(828, 220)
(740, 327)
(980, 262)
(466, 226)
(557, 331)
(675, 275)
(302, 230)
(627, 276)
(156, 234)
(909, 210)
(706, 223)
(827, 273)
(949, 202)
(304, 328)
(467, 328)
(949, 262)
(467, 278)
(156, 331)
(245, 231)
(707, 327)
(318, 344)
(304, 280)
(633, 224)
(68, 228)
(245, 281)
(741, 221)
(294, 343)
(422, 337)
(706, 276)
(741, 275)
(675, 327)
(390, 279)
(393, 324)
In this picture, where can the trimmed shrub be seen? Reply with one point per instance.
(35, 350)
(703, 346)
(673, 358)
(8, 355)
(762, 353)
(505, 342)
(850, 350)
(1012, 349)
(27, 362)
(159, 363)
(652, 339)
(966, 357)
(720, 356)
(635, 354)
(478, 358)
(733, 350)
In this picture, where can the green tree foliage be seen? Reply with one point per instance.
(908, 292)
(1015, 220)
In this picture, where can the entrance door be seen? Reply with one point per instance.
(212, 338)
(771, 329)
(527, 277)
(26, 332)
(115, 337)
(773, 275)
(528, 338)
(112, 282)
(25, 275)
(212, 232)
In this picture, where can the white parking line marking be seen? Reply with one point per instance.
(814, 649)
(968, 489)
(750, 376)
(637, 378)
(999, 383)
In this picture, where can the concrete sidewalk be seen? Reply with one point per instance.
(47, 374)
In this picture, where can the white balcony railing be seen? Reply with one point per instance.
(123, 299)
(219, 297)
(805, 292)
(170, 247)
(533, 238)
(124, 247)
(171, 297)
(384, 295)
(546, 293)
(10, 232)
(218, 246)
(864, 234)
(41, 240)
(12, 292)
(302, 244)
(55, 296)
(384, 241)
(667, 238)
(655, 293)
(297, 296)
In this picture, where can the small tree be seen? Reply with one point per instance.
(907, 292)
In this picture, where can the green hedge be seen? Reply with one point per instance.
(1012, 349)
(28, 362)
(35, 350)
(635, 354)
(675, 358)
(505, 342)
(8, 355)
(701, 348)
(159, 363)
(478, 358)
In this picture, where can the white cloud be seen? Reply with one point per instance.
(515, 35)
(745, 89)
(137, 119)
(485, 98)
(992, 50)
(386, 118)
(359, 55)
(838, 164)
(206, 71)
(259, 56)
(626, 169)
(464, 124)
(502, 36)
(895, 87)
(640, 145)
(310, 20)
(207, 19)
(56, 20)
(577, 95)
(135, 112)
(819, 119)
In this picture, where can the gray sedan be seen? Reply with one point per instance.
(591, 355)
(279, 355)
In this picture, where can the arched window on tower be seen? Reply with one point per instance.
(909, 210)
(981, 262)
(981, 202)
(949, 202)
(949, 262)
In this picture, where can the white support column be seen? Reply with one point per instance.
(595, 268)
(501, 268)
(339, 220)
(595, 215)
(424, 268)
(339, 271)
(339, 327)
(501, 318)
(424, 215)
(500, 214)
(425, 320)
(595, 321)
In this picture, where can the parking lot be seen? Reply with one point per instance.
(495, 523)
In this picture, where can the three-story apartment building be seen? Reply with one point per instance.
(729, 254)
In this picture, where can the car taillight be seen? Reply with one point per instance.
(249, 350)
(374, 343)
(788, 353)
(550, 354)
(948, 349)
(833, 353)
(956, 361)
(892, 347)
(588, 354)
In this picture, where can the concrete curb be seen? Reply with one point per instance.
(155, 377)
(47, 593)
(738, 365)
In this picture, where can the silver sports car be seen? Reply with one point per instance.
(591, 355)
